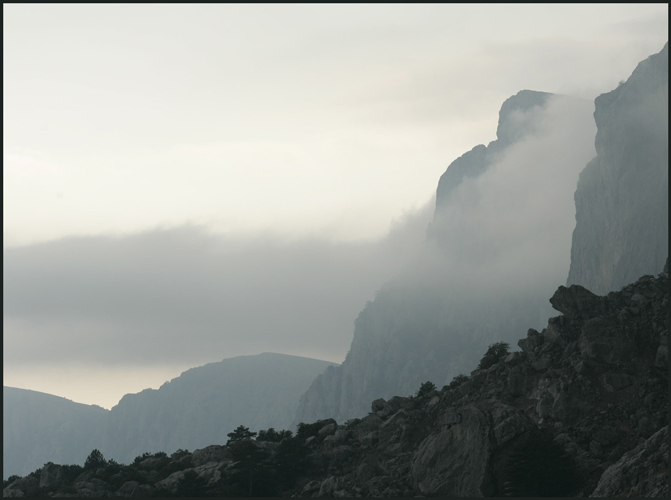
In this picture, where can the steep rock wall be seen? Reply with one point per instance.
(622, 198)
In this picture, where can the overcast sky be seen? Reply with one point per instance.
(195, 182)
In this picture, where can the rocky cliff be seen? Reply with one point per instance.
(582, 410)
(499, 242)
(622, 199)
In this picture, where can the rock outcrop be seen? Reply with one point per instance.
(562, 417)
(622, 197)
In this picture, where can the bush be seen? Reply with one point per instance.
(425, 389)
(10, 480)
(273, 436)
(457, 381)
(307, 430)
(494, 353)
(179, 454)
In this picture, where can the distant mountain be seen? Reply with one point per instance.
(196, 409)
(622, 199)
(203, 404)
(39, 427)
(497, 246)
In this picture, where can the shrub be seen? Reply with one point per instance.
(10, 480)
(457, 381)
(494, 353)
(307, 430)
(425, 389)
(273, 436)
(179, 454)
(142, 457)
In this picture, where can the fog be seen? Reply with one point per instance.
(185, 295)
(509, 229)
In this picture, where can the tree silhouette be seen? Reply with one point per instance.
(425, 389)
(95, 460)
(241, 432)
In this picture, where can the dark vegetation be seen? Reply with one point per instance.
(493, 355)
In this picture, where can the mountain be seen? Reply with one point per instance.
(37, 427)
(203, 404)
(498, 243)
(622, 199)
(581, 411)
(196, 409)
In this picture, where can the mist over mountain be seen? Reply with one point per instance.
(194, 410)
(581, 410)
(498, 244)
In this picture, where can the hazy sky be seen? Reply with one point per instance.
(167, 166)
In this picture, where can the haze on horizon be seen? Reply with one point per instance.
(184, 184)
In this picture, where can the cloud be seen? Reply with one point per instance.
(184, 294)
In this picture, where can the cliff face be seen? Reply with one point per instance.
(499, 242)
(622, 198)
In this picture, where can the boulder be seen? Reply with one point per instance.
(576, 302)
(51, 475)
(214, 453)
(642, 472)
(456, 461)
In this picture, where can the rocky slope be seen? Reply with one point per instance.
(196, 409)
(622, 197)
(434, 321)
(582, 410)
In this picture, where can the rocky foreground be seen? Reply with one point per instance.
(581, 410)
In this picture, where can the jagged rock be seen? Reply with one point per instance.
(327, 430)
(51, 475)
(615, 381)
(641, 472)
(604, 340)
(25, 486)
(210, 472)
(213, 453)
(662, 357)
(577, 302)
(455, 461)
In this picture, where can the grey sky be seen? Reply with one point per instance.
(208, 162)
